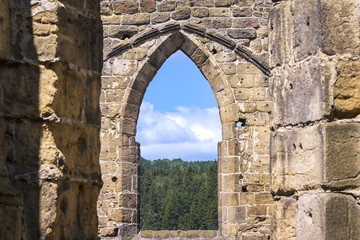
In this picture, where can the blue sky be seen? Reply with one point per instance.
(179, 116)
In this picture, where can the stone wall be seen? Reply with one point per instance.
(49, 119)
(291, 172)
(228, 42)
(315, 164)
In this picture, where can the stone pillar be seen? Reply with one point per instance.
(314, 56)
(50, 66)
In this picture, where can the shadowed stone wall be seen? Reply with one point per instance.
(50, 66)
(315, 162)
(228, 42)
(292, 172)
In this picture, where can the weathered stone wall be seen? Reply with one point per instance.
(50, 66)
(305, 156)
(315, 162)
(228, 42)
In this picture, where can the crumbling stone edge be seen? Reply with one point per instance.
(194, 29)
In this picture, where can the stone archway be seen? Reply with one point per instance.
(238, 180)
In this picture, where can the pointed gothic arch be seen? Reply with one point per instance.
(128, 70)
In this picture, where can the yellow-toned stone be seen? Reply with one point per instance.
(247, 198)
(5, 47)
(263, 198)
(147, 234)
(229, 199)
(346, 90)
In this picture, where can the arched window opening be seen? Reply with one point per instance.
(178, 129)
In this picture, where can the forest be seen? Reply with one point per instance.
(178, 195)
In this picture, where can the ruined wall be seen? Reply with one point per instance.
(227, 40)
(315, 162)
(50, 66)
(305, 155)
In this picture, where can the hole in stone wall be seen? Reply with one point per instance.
(241, 123)
(178, 129)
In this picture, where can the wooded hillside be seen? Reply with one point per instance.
(178, 195)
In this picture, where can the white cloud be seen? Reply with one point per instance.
(188, 133)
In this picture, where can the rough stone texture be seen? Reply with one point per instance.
(49, 119)
(202, 30)
(292, 172)
(4, 31)
(315, 133)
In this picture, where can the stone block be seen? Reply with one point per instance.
(222, 3)
(166, 6)
(11, 218)
(340, 26)
(219, 12)
(256, 210)
(285, 215)
(159, 17)
(147, 234)
(244, 33)
(128, 200)
(244, 3)
(246, 198)
(20, 90)
(87, 42)
(125, 7)
(246, 22)
(264, 106)
(264, 198)
(236, 214)
(256, 45)
(200, 12)
(329, 216)
(221, 23)
(69, 84)
(137, 19)
(122, 32)
(307, 28)
(203, 3)
(297, 31)
(342, 154)
(233, 147)
(193, 234)
(122, 215)
(242, 12)
(208, 234)
(228, 68)
(229, 183)
(181, 13)
(280, 33)
(228, 113)
(346, 94)
(209, 69)
(229, 199)
(124, 67)
(110, 109)
(328, 157)
(301, 93)
(248, 68)
(225, 57)
(147, 5)
(127, 231)
(5, 47)
(296, 158)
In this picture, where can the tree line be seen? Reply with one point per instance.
(178, 195)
